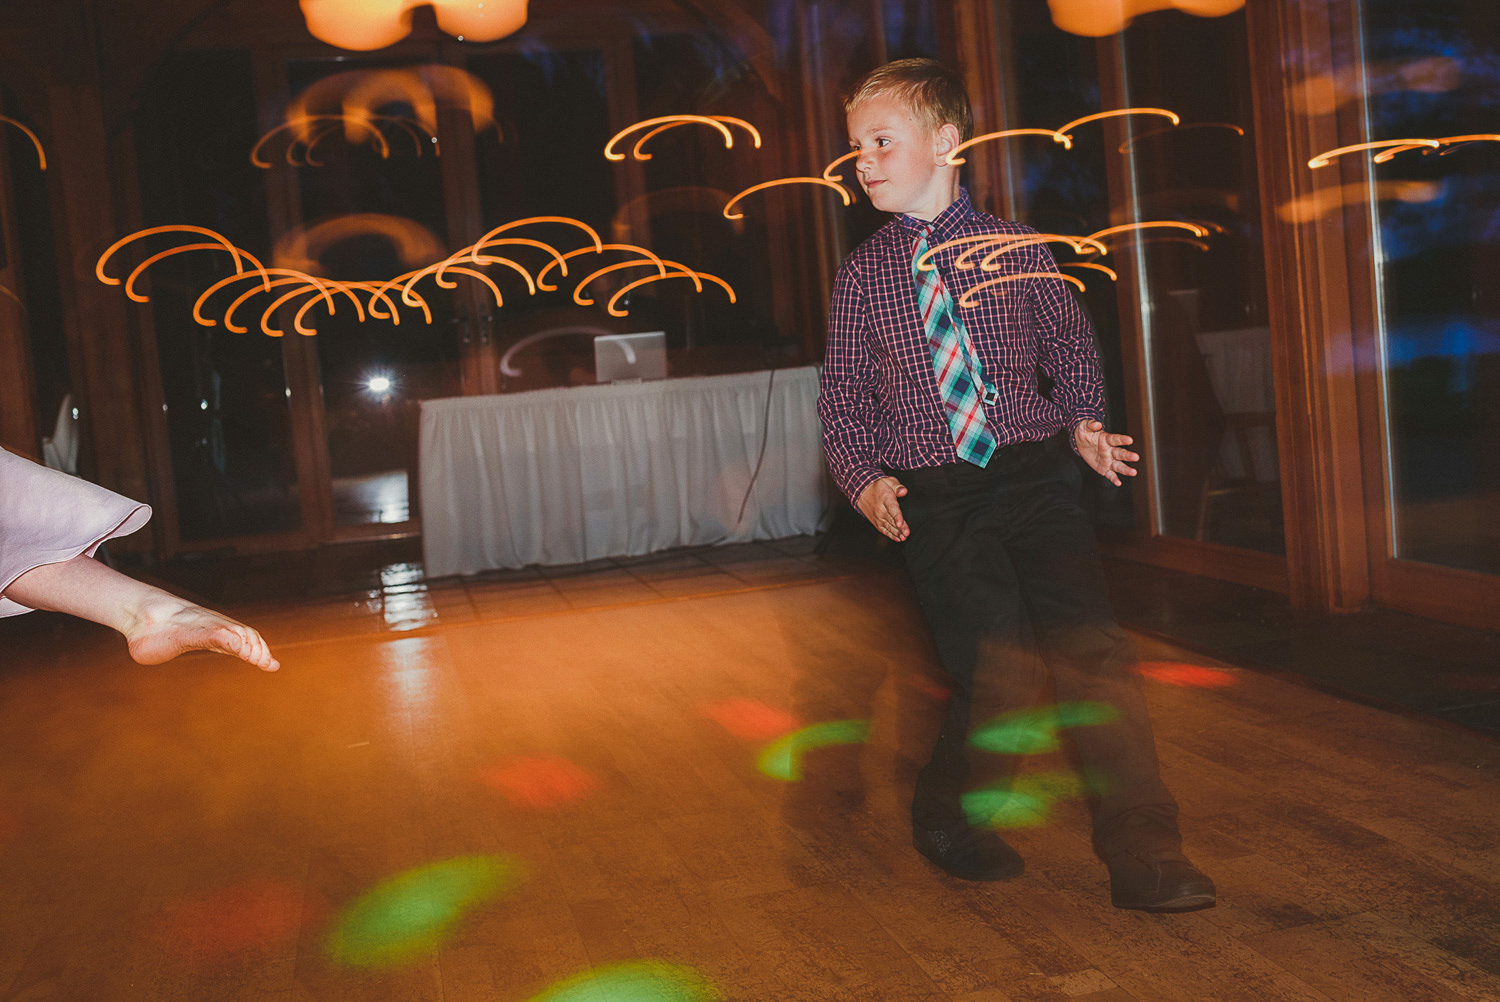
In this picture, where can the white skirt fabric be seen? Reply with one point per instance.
(47, 517)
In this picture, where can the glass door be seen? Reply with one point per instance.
(1433, 360)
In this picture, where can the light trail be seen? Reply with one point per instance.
(1158, 224)
(1057, 135)
(1001, 242)
(844, 193)
(664, 122)
(1119, 113)
(828, 174)
(628, 248)
(483, 241)
(1128, 144)
(969, 298)
(41, 154)
(234, 251)
(1113, 277)
(204, 297)
(696, 276)
(662, 263)
(1452, 142)
(1324, 159)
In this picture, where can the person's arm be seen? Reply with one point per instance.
(1070, 358)
(848, 410)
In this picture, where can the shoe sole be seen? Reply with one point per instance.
(1183, 903)
(982, 876)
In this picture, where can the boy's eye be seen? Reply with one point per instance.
(882, 142)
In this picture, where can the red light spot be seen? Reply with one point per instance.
(258, 915)
(539, 781)
(745, 718)
(1190, 676)
(931, 687)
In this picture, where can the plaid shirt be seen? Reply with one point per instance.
(879, 400)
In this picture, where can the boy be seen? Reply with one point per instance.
(937, 431)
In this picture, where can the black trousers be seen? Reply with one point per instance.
(1006, 567)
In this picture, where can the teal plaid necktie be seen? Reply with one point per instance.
(960, 377)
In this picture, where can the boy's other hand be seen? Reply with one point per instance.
(1104, 452)
(878, 503)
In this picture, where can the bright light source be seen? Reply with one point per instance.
(379, 384)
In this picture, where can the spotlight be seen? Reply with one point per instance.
(379, 385)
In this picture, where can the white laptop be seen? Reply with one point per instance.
(628, 358)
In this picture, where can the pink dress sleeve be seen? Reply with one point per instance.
(47, 517)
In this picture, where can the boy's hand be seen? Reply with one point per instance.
(878, 503)
(1104, 452)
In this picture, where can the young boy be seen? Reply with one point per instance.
(936, 429)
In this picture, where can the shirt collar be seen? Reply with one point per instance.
(947, 223)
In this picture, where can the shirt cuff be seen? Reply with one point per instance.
(1077, 419)
(859, 480)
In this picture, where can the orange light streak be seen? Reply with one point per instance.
(969, 298)
(41, 154)
(358, 309)
(991, 262)
(1324, 159)
(229, 323)
(312, 136)
(828, 174)
(681, 269)
(1450, 141)
(843, 192)
(483, 241)
(1096, 267)
(377, 292)
(1160, 224)
(234, 251)
(1001, 242)
(1126, 146)
(1118, 113)
(265, 317)
(628, 248)
(130, 281)
(661, 124)
(223, 282)
(695, 276)
(1057, 135)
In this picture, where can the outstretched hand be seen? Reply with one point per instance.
(878, 503)
(1105, 453)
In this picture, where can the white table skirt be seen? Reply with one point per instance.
(567, 475)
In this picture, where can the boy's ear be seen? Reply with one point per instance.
(947, 140)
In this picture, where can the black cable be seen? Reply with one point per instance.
(765, 435)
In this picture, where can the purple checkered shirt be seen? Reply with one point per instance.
(879, 400)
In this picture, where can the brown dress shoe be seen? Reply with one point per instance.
(1158, 880)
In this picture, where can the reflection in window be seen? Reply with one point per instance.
(225, 394)
(1431, 73)
(1208, 345)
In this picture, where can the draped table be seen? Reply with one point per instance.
(572, 474)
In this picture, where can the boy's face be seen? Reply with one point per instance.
(900, 163)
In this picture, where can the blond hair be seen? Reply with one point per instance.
(934, 93)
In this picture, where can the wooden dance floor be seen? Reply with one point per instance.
(684, 779)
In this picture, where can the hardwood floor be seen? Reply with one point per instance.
(549, 786)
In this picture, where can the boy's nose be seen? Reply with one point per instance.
(864, 161)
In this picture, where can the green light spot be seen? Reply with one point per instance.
(411, 914)
(1033, 731)
(633, 981)
(782, 758)
(1024, 803)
